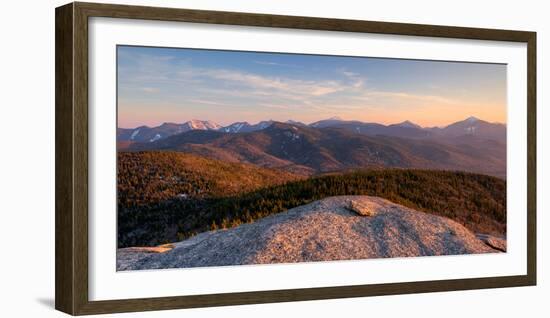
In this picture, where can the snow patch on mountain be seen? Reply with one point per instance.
(292, 135)
(157, 137)
(196, 124)
(134, 134)
(235, 127)
(264, 124)
(470, 130)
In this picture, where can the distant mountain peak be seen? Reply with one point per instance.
(164, 124)
(325, 122)
(243, 126)
(264, 124)
(195, 122)
(294, 122)
(408, 124)
(202, 124)
(235, 127)
(471, 119)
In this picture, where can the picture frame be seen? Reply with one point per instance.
(72, 279)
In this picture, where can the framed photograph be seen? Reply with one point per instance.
(211, 158)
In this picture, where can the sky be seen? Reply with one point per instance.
(157, 85)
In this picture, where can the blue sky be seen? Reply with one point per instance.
(157, 85)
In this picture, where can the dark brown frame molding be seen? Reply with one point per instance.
(71, 157)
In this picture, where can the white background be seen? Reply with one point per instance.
(27, 160)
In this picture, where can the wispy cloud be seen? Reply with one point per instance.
(201, 89)
(296, 87)
(350, 74)
(274, 64)
(412, 97)
(150, 89)
(232, 87)
(205, 102)
(151, 69)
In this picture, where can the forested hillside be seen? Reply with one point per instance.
(151, 212)
(146, 178)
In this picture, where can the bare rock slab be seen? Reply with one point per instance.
(364, 208)
(127, 257)
(497, 243)
(324, 230)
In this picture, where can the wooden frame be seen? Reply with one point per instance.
(71, 291)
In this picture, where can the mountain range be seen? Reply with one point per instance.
(148, 134)
(336, 145)
(469, 127)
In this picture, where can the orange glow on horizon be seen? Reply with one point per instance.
(431, 116)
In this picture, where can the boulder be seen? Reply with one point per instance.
(361, 208)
